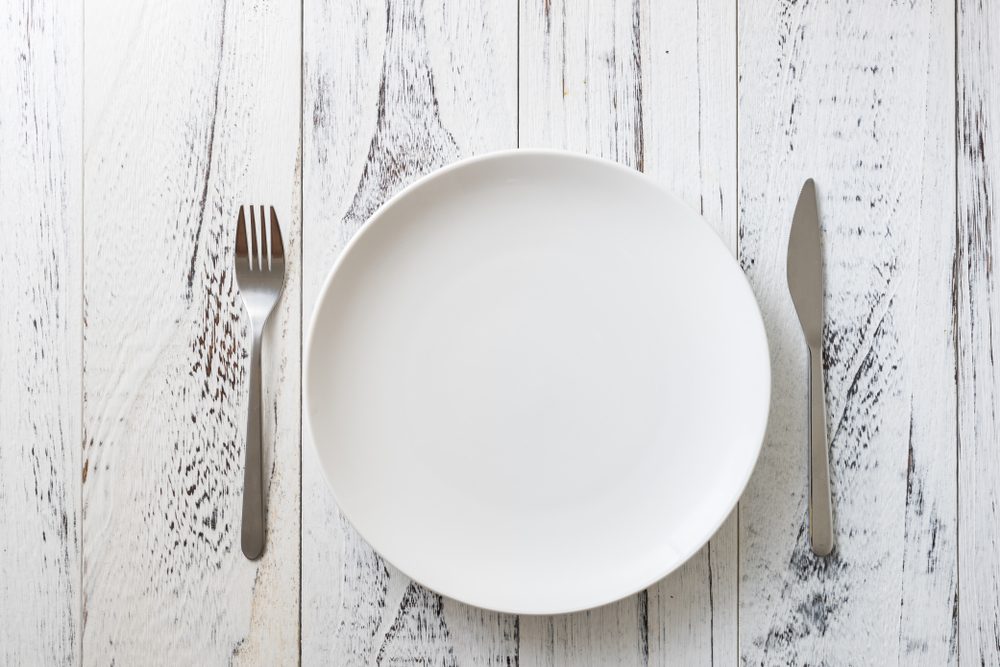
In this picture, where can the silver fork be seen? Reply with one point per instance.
(260, 277)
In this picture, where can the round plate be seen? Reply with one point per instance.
(536, 381)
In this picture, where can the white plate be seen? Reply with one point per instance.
(536, 381)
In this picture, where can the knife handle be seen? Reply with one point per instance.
(820, 504)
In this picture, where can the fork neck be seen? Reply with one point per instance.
(257, 324)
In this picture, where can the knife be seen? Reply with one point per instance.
(805, 284)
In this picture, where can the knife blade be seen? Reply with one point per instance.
(805, 284)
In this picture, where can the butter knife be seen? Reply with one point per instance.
(805, 284)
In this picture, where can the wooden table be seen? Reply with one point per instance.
(131, 132)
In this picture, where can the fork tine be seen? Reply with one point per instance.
(253, 239)
(241, 237)
(265, 243)
(277, 248)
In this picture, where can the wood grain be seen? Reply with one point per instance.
(40, 302)
(653, 86)
(977, 294)
(393, 90)
(190, 110)
(860, 97)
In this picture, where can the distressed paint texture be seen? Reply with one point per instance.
(651, 85)
(122, 404)
(189, 111)
(40, 302)
(393, 90)
(977, 293)
(858, 96)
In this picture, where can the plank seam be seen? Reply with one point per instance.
(956, 340)
(81, 608)
(736, 159)
(302, 323)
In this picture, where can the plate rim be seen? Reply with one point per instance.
(378, 214)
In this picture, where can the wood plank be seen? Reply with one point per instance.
(190, 111)
(393, 90)
(651, 85)
(40, 179)
(978, 319)
(689, 91)
(860, 97)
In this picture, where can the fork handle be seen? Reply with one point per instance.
(252, 533)
(820, 504)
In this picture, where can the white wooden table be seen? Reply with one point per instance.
(131, 131)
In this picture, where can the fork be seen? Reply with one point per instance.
(260, 277)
